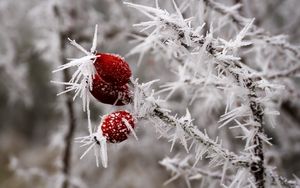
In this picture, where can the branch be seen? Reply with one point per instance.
(283, 74)
(279, 180)
(241, 21)
(174, 34)
(145, 106)
(257, 167)
(68, 140)
(201, 138)
(212, 148)
(182, 167)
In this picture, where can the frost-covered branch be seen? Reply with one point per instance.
(260, 33)
(146, 106)
(280, 180)
(174, 36)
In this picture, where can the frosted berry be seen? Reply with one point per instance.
(115, 126)
(110, 94)
(113, 69)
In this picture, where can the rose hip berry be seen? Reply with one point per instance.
(112, 69)
(115, 126)
(110, 94)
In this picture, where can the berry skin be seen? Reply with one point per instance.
(113, 69)
(114, 128)
(110, 94)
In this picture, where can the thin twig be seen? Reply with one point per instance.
(241, 21)
(68, 139)
(165, 117)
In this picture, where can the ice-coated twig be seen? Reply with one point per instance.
(203, 139)
(280, 180)
(294, 71)
(182, 168)
(241, 21)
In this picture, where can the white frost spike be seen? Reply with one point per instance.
(89, 148)
(224, 171)
(177, 9)
(241, 111)
(74, 43)
(180, 167)
(80, 89)
(94, 141)
(82, 79)
(94, 46)
(130, 128)
(187, 118)
(239, 179)
(238, 42)
(146, 10)
(156, 4)
(171, 164)
(179, 132)
(103, 151)
(243, 33)
(200, 151)
(75, 62)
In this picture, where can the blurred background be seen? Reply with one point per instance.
(33, 120)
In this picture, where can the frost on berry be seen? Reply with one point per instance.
(114, 127)
(110, 94)
(112, 68)
(117, 126)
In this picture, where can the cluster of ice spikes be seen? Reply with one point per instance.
(210, 69)
(106, 77)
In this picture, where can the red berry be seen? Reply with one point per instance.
(114, 128)
(110, 94)
(113, 69)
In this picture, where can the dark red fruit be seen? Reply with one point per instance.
(114, 128)
(113, 69)
(110, 94)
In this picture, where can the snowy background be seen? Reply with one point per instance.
(33, 42)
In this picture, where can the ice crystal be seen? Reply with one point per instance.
(98, 143)
(82, 79)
